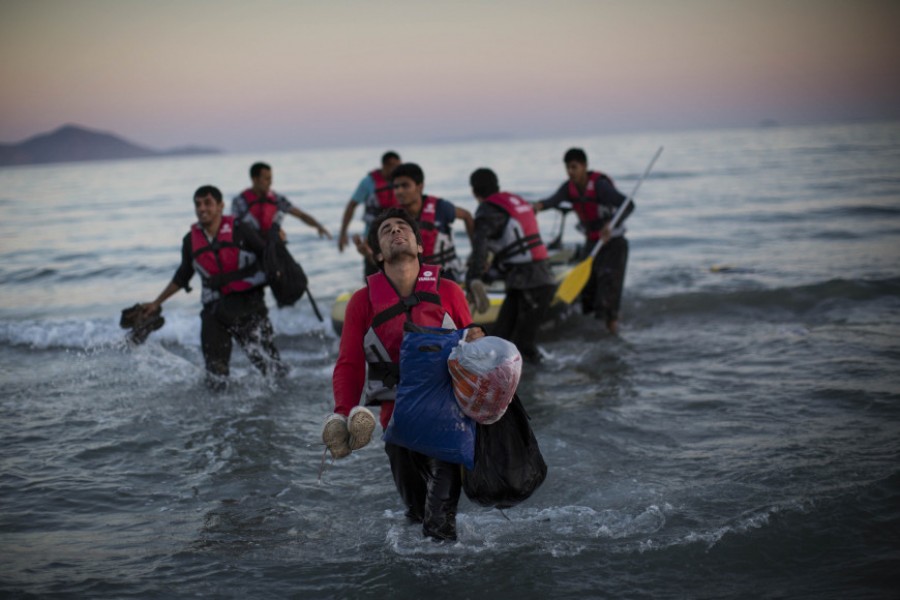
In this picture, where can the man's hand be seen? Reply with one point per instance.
(477, 296)
(148, 309)
(362, 246)
(474, 333)
(343, 241)
(606, 234)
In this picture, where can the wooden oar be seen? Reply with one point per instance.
(574, 282)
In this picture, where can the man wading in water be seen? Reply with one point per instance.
(403, 289)
(595, 199)
(228, 256)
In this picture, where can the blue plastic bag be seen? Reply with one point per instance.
(426, 416)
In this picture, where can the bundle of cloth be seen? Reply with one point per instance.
(140, 324)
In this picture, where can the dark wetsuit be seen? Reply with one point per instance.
(240, 316)
(602, 295)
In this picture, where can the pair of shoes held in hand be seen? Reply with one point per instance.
(343, 434)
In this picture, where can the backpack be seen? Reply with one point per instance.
(284, 276)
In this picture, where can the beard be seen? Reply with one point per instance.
(399, 252)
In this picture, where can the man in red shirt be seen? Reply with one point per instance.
(403, 289)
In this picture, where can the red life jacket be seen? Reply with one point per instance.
(263, 210)
(591, 213)
(437, 246)
(426, 227)
(219, 263)
(521, 241)
(384, 191)
(385, 334)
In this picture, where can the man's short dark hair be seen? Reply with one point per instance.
(386, 214)
(411, 170)
(258, 168)
(575, 155)
(484, 182)
(389, 156)
(209, 190)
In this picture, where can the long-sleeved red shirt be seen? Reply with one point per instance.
(349, 376)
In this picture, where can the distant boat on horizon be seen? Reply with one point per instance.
(74, 143)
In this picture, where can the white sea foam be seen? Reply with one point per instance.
(181, 327)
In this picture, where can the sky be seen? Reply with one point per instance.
(273, 75)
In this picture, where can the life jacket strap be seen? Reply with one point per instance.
(218, 281)
(214, 246)
(443, 256)
(265, 200)
(386, 372)
(522, 244)
(404, 306)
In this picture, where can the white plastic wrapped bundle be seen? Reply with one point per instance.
(485, 376)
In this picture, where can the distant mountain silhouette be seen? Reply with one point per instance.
(71, 143)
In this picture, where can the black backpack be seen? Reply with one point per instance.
(284, 276)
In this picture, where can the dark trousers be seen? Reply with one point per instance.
(242, 317)
(603, 293)
(430, 489)
(521, 313)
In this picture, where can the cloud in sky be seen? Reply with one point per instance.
(272, 75)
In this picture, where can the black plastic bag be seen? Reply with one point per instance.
(509, 466)
(284, 276)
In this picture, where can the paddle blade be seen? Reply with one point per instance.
(571, 286)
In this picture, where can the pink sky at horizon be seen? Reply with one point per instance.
(278, 75)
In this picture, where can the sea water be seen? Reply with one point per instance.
(739, 438)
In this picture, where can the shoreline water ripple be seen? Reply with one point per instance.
(738, 439)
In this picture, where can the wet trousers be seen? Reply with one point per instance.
(603, 293)
(430, 489)
(520, 316)
(242, 317)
